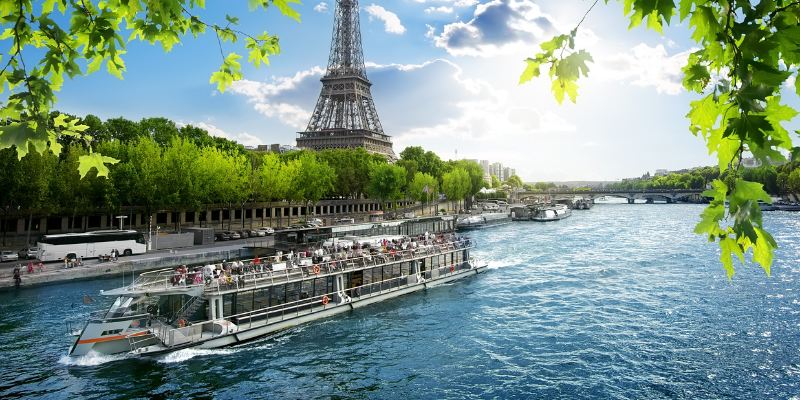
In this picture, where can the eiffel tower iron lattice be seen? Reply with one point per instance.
(345, 115)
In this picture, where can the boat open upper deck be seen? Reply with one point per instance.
(333, 258)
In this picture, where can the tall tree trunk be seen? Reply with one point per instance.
(30, 221)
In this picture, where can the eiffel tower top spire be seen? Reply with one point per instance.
(345, 115)
(346, 57)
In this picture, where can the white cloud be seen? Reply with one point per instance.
(645, 66)
(391, 22)
(322, 7)
(430, 33)
(454, 3)
(497, 26)
(790, 83)
(213, 130)
(289, 114)
(439, 10)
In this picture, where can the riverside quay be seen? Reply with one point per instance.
(252, 215)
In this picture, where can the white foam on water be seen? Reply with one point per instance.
(187, 354)
(91, 359)
(497, 264)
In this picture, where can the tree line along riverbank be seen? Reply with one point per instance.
(165, 166)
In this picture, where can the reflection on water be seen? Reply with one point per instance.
(618, 301)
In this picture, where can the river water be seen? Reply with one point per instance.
(621, 301)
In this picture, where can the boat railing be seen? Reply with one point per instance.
(167, 279)
(262, 276)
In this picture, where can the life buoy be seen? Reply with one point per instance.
(316, 270)
(325, 300)
(181, 323)
(452, 268)
(152, 309)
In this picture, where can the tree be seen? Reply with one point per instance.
(425, 161)
(314, 179)
(475, 173)
(746, 52)
(423, 186)
(495, 182)
(275, 177)
(456, 184)
(57, 39)
(386, 182)
(793, 181)
(514, 182)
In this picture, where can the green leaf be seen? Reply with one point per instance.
(763, 250)
(286, 9)
(797, 84)
(232, 20)
(745, 190)
(531, 70)
(685, 8)
(20, 135)
(96, 161)
(728, 247)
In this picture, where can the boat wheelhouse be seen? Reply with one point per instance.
(217, 306)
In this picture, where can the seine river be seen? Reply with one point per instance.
(622, 301)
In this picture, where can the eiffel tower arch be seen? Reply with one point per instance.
(345, 115)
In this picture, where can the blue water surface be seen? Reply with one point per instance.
(621, 301)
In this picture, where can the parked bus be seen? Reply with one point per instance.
(90, 244)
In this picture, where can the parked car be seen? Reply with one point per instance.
(29, 253)
(409, 215)
(234, 235)
(8, 255)
(258, 233)
(345, 221)
(220, 236)
(244, 234)
(267, 230)
(316, 222)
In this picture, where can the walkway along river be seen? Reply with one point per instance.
(618, 301)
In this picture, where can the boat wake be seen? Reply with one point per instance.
(187, 354)
(91, 359)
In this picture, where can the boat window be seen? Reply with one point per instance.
(227, 304)
(244, 302)
(405, 268)
(111, 332)
(292, 292)
(278, 295)
(261, 298)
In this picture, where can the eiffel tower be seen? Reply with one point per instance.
(345, 115)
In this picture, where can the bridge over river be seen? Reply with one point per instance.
(651, 195)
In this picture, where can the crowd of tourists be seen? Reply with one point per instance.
(311, 261)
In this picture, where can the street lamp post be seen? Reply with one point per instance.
(121, 218)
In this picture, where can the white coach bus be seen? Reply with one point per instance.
(90, 244)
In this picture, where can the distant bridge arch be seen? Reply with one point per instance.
(668, 195)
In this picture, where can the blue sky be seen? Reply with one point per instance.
(444, 76)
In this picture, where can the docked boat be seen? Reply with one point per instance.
(551, 213)
(582, 204)
(786, 206)
(221, 305)
(480, 221)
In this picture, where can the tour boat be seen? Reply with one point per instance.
(167, 310)
(551, 213)
(483, 220)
